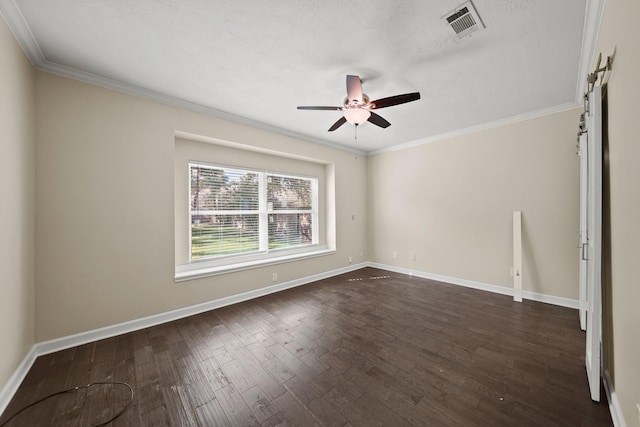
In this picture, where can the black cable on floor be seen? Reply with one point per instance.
(72, 389)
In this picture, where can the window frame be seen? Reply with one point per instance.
(263, 256)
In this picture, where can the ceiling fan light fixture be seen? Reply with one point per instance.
(356, 116)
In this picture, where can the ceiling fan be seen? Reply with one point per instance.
(357, 107)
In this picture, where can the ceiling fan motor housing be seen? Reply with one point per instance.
(364, 103)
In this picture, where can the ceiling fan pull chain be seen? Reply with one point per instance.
(355, 137)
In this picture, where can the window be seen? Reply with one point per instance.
(239, 207)
(243, 212)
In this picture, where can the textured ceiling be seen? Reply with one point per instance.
(255, 61)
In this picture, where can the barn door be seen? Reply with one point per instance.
(591, 251)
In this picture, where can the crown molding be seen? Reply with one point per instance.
(10, 11)
(489, 125)
(594, 10)
(14, 18)
(151, 95)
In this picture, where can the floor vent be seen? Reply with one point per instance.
(464, 20)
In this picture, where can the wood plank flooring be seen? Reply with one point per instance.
(367, 348)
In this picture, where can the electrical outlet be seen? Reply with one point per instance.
(413, 256)
(350, 260)
(395, 254)
(275, 277)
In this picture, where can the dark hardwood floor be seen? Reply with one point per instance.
(366, 348)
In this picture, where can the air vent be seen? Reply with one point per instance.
(464, 20)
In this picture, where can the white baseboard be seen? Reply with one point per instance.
(168, 316)
(533, 296)
(10, 388)
(614, 404)
(46, 347)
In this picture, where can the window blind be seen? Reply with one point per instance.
(290, 210)
(224, 211)
(235, 211)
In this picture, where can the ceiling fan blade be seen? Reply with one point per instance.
(378, 120)
(337, 124)
(312, 107)
(354, 89)
(394, 100)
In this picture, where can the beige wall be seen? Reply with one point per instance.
(450, 204)
(17, 116)
(619, 32)
(105, 208)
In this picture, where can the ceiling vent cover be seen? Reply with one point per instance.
(464, 20)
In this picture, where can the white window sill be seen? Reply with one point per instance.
(193, 271)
